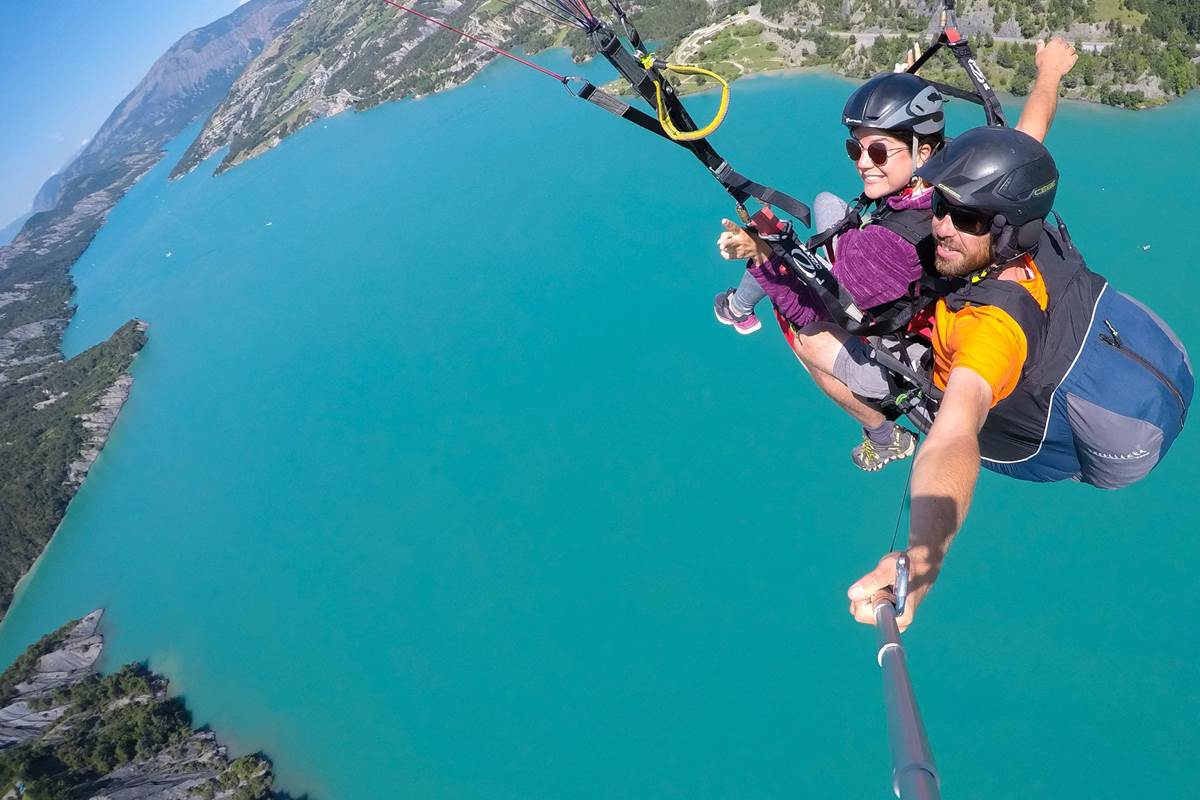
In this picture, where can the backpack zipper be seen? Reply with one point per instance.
(1113, 340)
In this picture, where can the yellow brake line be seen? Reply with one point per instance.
(664, 119)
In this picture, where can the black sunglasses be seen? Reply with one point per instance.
(878, 152)
(963, 219)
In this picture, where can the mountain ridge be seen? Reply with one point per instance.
(191, 77)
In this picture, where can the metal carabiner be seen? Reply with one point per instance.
(569, 80)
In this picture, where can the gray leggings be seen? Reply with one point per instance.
(828, 209)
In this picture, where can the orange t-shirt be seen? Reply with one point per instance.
(985, 339)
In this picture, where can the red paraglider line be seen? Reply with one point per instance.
(476, 39)
(588, 10)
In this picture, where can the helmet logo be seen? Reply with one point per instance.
(941, 187)
(1041, 190)
(925, 103)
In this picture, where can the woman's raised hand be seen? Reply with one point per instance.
(737, 244)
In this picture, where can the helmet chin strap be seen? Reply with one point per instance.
(914, 180)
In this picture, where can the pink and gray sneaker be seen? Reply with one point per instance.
(744, 324)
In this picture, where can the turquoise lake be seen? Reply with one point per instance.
(439, 480)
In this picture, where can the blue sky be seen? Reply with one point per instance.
(64, 66)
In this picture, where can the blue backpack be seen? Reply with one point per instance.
(1106, 384)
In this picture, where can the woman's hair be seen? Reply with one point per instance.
(934, 140)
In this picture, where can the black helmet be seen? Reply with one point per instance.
(1002, 172)
(896, 101)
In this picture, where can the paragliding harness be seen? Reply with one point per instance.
(911, 391)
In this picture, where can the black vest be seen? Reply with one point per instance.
(913, 225)
(1017, 424)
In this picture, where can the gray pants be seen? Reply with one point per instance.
(855, 366)
(828, 209)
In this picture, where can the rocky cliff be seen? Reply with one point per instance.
(67, 732)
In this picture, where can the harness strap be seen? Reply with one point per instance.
(895, 359)
(737, 184)
(643, 80)
(966, 59)
(954, 91)
(615, 105)
(913, 225)
(853, 219)
(1010, 297)
(650, 85)
(958, 45)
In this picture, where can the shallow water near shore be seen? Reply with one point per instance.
(439, 480)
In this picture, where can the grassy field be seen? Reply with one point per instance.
(1115, 9)
(739, 50)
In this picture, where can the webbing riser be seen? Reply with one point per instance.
(984, 95)
(643, 82)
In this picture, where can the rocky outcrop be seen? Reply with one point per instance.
(57, 707)
(14, 342)
(191, 769)
(54, 421)
(99, 423)
(23, 718)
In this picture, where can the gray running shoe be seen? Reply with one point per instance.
(744, 324)
(872, 457)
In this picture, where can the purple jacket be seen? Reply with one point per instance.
(874, 264)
